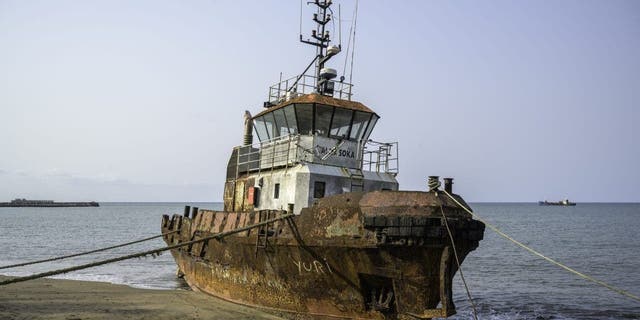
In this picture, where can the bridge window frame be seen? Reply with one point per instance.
(315, 119)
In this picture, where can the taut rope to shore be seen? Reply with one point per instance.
(140, 254)
(578, 273)
(86, 252)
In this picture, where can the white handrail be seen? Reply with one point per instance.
(281, 152)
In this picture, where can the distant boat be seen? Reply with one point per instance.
(564, 202)
(46, 203)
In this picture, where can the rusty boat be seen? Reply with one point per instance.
(325, 230)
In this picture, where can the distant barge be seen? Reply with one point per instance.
(564, 202)
(46, 203)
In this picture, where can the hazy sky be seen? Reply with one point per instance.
(143, 100)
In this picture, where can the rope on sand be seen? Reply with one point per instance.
(85, 253)
(141, 254)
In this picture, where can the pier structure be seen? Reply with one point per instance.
(17, 203)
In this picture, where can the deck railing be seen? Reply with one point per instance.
(292, 87)
(286, 151)
(381, 157)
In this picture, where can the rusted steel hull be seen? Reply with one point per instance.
(342, 257)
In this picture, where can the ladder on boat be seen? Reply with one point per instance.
(357, 180)
(266, 230)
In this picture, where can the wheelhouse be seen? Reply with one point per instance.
(317, 115)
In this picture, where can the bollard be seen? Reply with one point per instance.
(448, 185)
(194, 213)
(433, 183)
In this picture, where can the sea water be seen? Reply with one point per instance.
(505, 281)
(28, 234)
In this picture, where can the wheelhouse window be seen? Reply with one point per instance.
(309, 118)
(290, 116)
(341, 123)
(261, 129)
(270, 123)
(360, 122)
(372, 124)
(281, 129)
(323, 119)
(304, 115)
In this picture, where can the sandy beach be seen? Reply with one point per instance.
(80, 300)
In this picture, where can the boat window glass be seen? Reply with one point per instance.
(318, 189)
(323, 119)
(291, 119)
(341, 123)
(261, 129)
(270, 123)
(372, 124)
(304, 114)
(360, 121)
(281, 123)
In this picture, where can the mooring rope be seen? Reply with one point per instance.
(140, 254)
(85, 253)
(580, 274)
(455, 254)
(434, 184)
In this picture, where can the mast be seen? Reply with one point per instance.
(324, 51)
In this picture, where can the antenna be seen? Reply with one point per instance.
(353, 48)
(339, 26)
(346, 57)
(301, 18)
(321, 40)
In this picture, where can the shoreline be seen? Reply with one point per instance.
(59, 299)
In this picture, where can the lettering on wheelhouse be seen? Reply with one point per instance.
(344, 153)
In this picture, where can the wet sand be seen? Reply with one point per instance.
(80, 300)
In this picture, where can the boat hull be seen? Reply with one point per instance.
(329, 261)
